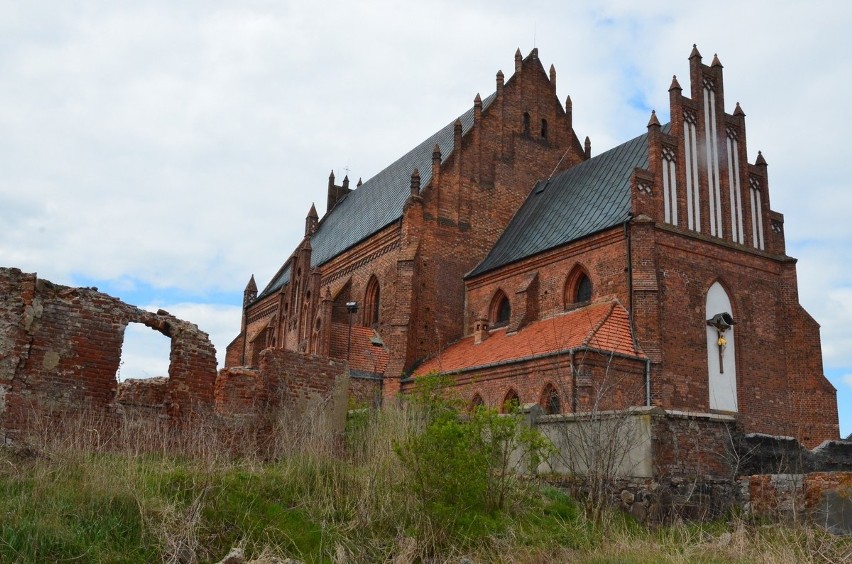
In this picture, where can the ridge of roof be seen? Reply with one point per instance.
(584, 199)
(379, 201)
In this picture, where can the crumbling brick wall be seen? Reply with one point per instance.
(60, 349)
(285, 383)
(821, 497)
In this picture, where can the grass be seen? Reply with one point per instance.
(148, 493)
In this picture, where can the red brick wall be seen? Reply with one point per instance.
(694, 445)
(602, 382)
(602, 256)
(485, 183)
(421, 262)
(297, 378)
(780, 385)
(61, 348)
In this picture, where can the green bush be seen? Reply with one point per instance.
(463, 463)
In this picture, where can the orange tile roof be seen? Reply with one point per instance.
(603, 326)
(364, 356)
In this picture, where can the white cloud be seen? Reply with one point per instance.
(847, 379)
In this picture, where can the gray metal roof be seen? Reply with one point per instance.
(379, 200)
(587, 198)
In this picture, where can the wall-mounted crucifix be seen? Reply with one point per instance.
(721, 322)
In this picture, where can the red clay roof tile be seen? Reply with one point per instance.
(603, 326)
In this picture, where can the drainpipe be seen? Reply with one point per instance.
(630, 309)
(573, 382)
(648, 382)
(628, 238)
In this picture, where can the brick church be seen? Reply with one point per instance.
(500, 252)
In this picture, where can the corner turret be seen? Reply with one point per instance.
(250, 293)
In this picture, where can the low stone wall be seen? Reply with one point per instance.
(767, 454)
(659, 465)
(641, 442)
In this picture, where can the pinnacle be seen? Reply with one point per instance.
(653, 121)
(695, 52)
(675, 84)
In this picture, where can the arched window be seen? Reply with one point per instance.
(305, 320)
(721, 350)
(511, 401)
(578, 287)
(550, 401)
(526, 124)
(476, 402)
(501, 310)
(315, 337)
(544, 129)
(371, 302)
(584, 290)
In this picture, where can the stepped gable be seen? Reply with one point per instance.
(601, 326)
(585, 199)
(379, 200)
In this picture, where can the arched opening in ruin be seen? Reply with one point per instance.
(145, 353)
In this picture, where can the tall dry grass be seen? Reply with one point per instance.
(86, 487)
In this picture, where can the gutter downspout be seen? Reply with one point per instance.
(629, 241)
(628, 238)
(573, 382)
(648, 382)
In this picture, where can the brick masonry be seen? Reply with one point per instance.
(659, 268)
(60, 349)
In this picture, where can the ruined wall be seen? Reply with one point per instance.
(824, 498)
(60, 349)
(286, 382)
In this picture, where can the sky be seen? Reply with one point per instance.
(166, 151)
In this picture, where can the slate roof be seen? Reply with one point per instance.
(587, 198)
(379, 200)
(602, 326)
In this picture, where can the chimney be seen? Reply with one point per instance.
(480, 330)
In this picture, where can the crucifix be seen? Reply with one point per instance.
(721, 322)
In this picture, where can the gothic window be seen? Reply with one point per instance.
(304, 322)
(756, 213)
(721, 349)
(544, 129)
(371, 302)
(550, 401)
(476, 402)
(734, 187)
(526, 124)
(501, 309)
(511, 401)
(315, 337)
(712, 157)
(693, 192)
(669, 187)
(578, 287)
